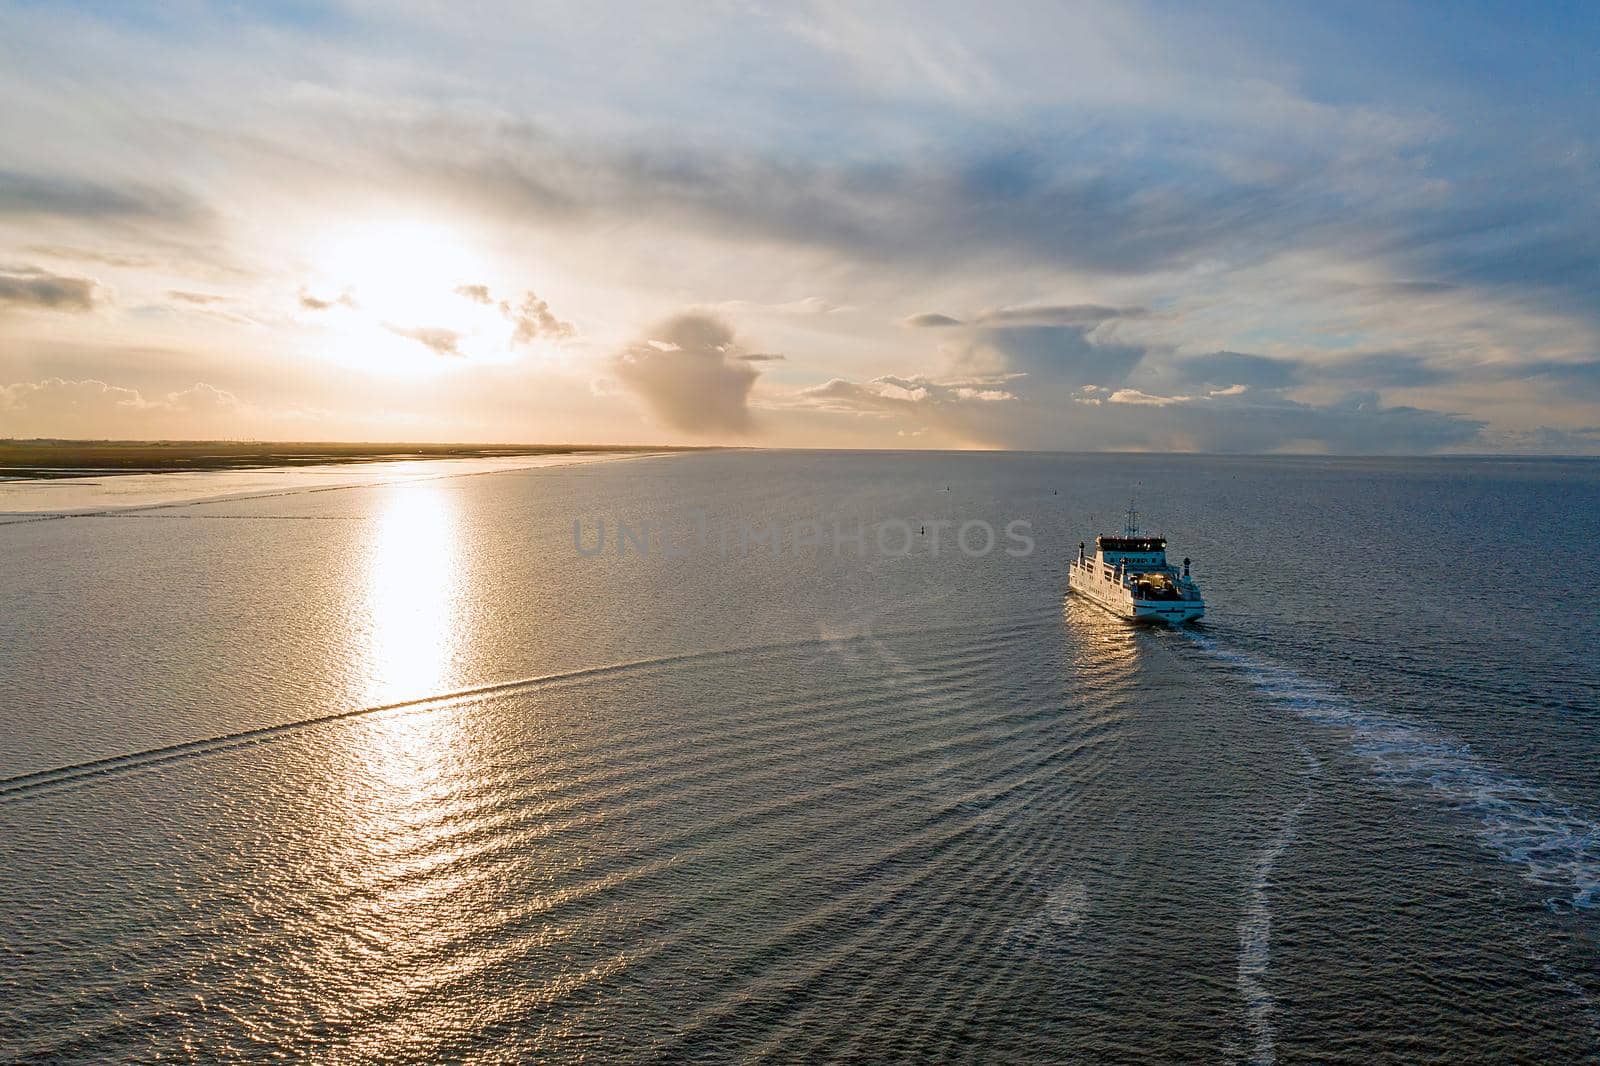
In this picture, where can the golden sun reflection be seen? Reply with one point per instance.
(1104, 646)
(394, 788)
(413, 594)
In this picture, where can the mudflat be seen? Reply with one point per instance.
(83, 458)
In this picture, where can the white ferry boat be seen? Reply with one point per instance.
(1129, 576)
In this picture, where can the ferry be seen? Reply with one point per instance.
(1129, 576)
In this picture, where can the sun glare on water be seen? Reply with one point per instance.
(413, 594)
(404, 298)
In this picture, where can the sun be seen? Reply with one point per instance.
(404, 298)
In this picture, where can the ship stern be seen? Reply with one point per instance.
(1168, 612)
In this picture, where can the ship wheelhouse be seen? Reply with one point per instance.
(1132, 552)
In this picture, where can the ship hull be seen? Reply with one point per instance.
(1119, 601)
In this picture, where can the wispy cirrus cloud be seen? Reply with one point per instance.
(1029, 315)
(68, 196)
(201, 299)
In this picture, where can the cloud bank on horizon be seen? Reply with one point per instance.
(1050, 226)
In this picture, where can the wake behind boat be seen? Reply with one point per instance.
(1130, 577)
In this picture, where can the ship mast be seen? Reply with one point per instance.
(1132, 528)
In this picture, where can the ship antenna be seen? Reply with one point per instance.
(1133, 518)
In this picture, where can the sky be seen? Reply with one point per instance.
(1232, 227)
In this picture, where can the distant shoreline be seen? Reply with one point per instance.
(39, 460)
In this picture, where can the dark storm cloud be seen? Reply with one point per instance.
(1097, 418)
(30, 287)
(1058, 355)
(1527, 238)
(1580, 378)
(1066, 387)
(1221, 369)
(1366, 370)
(1547, 440)
(1380, 370)
(1357, 424)
(690, 374)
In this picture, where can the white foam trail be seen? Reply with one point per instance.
(1065, 906)
(1061, 916)
(1557, 847)
(1255, 929)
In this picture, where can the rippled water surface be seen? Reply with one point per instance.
(393, 772)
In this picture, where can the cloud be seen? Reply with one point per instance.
(958, 411)
(808, 305)
(1065, 356)
(201, 298)
(1377, 370)
(201, 398)
(94, 409)
(532, 319)
(436, 339)
(1073, 386)
(931, 320)
(56, 393)
(1057, 315)
(899, 395)
(1577, 377)
(90, 255)
(1134, 396)
(30, 287)
(25, 194)
(1183, 216)
(1367, 370)
(1546, 440)
(1095, 419)
(1414, 288)
(690, 373)
(1390, 236)
(761, 357)
(1222, 369)
(310, 302)
(1030, 315)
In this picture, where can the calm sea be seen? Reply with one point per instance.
(398, 773)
